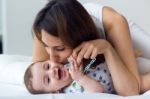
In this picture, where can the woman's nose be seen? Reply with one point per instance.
(53, 56)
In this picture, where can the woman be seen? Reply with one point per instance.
(63, 28)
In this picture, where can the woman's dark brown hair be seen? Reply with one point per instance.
(68, 20)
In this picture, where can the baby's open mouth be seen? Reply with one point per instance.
(60, 73)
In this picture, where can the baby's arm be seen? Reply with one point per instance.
(90, 84)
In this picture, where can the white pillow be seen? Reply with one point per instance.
(12, 68)
(143, 65)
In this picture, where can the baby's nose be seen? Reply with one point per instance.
(57, 65)
(54, 72)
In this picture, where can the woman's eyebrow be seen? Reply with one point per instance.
(62, 45)
(59, 46)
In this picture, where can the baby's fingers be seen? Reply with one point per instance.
(75, 65)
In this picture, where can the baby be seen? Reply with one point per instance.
(50, 77)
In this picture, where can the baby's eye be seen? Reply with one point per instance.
(48, 80)
(48, 67)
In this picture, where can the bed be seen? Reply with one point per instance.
(12, 68)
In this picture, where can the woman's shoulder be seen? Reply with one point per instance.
(100, 11)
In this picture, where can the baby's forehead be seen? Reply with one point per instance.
(41, 62)
(37, 64)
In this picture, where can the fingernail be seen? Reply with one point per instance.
(74, 56)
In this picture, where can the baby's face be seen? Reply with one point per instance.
(49, 76)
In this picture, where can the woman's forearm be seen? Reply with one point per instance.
(124, 82)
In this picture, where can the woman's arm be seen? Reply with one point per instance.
(124, 81)
(118, 34)
(39, 53)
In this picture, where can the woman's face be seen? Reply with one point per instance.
(58, 52)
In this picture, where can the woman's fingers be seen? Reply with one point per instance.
(79, 52)
(76, 50)
(94, 53)
(89, 49)
(88, 52)
(85, 50)
(81, 55)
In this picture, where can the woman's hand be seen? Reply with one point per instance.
(89, 49)
(76, 71)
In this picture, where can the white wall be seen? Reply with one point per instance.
(0, 16)
(18, 16)
(136, 10)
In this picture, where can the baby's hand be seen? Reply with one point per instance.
(76, 71)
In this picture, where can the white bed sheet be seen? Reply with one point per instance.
(9, 91)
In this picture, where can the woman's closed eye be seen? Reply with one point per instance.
(62, 48)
